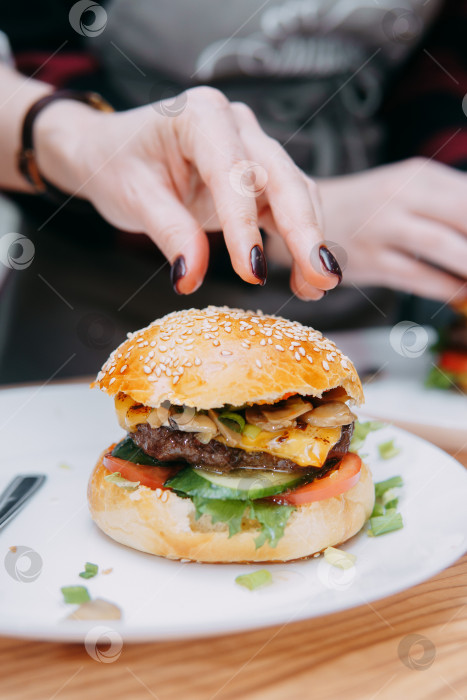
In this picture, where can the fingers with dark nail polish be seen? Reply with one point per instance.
(258, 264)
(177, 271)
(329, 262)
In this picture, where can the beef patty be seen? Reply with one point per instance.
(169, 445)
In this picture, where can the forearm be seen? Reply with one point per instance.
(57, 129)
(17, 94)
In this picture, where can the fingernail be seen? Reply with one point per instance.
(177, 271)
(258, 264)
(329, 262)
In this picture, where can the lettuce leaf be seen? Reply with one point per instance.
(271, 517)
(127, 449)
(440, 379)
(361, 430)
(230, 512)
(230, 506)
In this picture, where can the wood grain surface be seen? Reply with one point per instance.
(411, 645)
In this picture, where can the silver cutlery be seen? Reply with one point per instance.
(17, 493)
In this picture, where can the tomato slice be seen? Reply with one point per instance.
(153, 477)
(453, 361)
(335, 483)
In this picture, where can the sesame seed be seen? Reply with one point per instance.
(122, 369)
(298, 357)
(252, 332)
(119, 355)
(225, 352)
(158, 371)
(112, 369)
(147, 369)
(197, 361)
(176, 378)
(262, 342)
(279, 347)
(112, 381)
(245, 345)
(301, 351)
(162, 348)
(152, 343)
(158, 493)
(216, 343)
(325, 365)
(310, 359)
(258, 363)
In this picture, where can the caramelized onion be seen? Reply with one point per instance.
(182, 418)
(231, 437)
(329, 415)
(274, 418)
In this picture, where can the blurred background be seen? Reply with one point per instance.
(347, 86)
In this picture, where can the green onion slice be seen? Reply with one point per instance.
(387, 450)
(117, 479)
(256, 579)
(378, 509)
(382, 486)
(251, 431)
(90, 570)
(388, 522)
(75, 594)
(339, 558)
(229, 417)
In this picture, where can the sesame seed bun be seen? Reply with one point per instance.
(160, 522)
(210, 357)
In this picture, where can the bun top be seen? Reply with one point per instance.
(210, 357)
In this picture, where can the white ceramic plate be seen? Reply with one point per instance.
(42, 429)
(395, 364)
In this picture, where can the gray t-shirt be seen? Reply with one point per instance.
(314, 71)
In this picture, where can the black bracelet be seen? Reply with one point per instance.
(27, 162)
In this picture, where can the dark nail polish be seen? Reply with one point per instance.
(177, 271)
(329, 262)
(258, 264)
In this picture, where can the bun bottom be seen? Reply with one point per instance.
(162, 523)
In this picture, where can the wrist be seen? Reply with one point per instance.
(59, 144)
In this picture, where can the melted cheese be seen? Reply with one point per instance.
(308, 447)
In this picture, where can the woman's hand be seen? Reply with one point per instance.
(176, 171)
(399, 225)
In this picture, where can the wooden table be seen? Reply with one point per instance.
(354, 654)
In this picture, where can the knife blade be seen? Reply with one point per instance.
(17, 493)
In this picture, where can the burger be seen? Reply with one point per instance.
(238, 428)
(450, 370)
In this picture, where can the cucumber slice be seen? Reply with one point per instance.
(251, 484)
